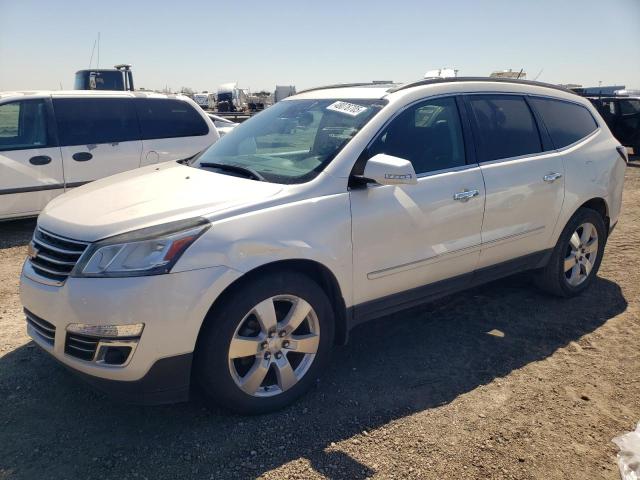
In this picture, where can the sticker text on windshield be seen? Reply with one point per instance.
(347, 108)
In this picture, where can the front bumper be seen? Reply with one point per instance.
(172, 307)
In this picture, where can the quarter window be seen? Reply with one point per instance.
(504, 127)
(167, 118)
(23, 125)
(566, 122)
(630, 107)
(429, 135)
(87, 121)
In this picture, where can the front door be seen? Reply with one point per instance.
(30, 161)
(98, 137)
(410, 236)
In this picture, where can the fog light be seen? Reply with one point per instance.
(116, 355)
(106, 331)
(115, 352)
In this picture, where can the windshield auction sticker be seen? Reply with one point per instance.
(347, 108)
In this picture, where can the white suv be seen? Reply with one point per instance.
(333, 207)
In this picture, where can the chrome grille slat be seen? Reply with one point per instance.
(57, 273)
(80, 346)
(53, 260)
(64, 239)
(88, 350)
(41, 324)
(87, 342)
(43, 328)
(48, 246)
(55, 256)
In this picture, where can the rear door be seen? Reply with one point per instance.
(99, 136)
(524, 184)
(172, 129)
(30, 160)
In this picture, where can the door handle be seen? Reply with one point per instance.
(40, 160)
(82, 156)
(465, 195)
(552, 177)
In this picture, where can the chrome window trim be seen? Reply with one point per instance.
(433, 173)
(405, 108)
(540, 154)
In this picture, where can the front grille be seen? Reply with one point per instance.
(80, 346)
(54, 256)
(43, 328)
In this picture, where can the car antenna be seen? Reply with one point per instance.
(519, 73)
(539, 73)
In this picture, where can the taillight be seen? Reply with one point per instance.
(623, 153)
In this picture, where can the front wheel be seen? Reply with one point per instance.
(266, 343)
(576, 257)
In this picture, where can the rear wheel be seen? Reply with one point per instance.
(576, 257)
(266, 343)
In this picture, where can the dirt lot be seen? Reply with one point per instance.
(497, 382)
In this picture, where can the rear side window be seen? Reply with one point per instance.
(86, 121)
(167, 118)
(630, 107)
(504, 127)
(566, 122)
(23, 125)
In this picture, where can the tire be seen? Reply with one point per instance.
(262, 382)
(554, 278)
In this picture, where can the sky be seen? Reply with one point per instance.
(202, 44)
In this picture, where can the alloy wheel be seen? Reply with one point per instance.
(581, 254)
(274, 345)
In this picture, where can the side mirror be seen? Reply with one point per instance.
(389, 170)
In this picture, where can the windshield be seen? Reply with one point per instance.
(292, 141)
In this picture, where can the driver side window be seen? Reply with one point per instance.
(428, 134)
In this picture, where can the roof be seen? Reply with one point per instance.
(434, 81)
(346, 90)
(376, 90)
(84, 93)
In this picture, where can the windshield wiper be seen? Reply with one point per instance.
(246, 171)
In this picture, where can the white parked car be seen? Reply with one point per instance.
(330, 208)
(51, 142)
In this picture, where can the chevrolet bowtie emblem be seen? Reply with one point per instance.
(32, 251)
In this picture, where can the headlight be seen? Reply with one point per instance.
(149, 251)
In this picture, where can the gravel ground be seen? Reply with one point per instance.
(496, 382)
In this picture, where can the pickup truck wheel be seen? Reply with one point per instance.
(576, 257)
(266, 344)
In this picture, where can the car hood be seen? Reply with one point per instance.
(148, 196)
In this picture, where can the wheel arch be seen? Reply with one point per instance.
(600, 205)
(318, 272)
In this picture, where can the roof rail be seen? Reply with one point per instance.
(345, 85)
(433, 81)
